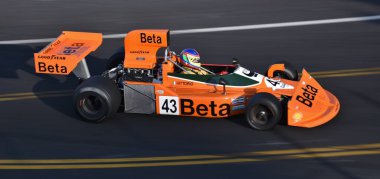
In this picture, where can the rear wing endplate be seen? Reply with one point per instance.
(63, 55)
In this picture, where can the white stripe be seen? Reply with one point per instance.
(275, 25)
(29, 41)
(222, 29)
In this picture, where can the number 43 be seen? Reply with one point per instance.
(169, 105)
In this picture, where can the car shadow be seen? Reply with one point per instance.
(67, 85)
(14, 58)
(53, 90)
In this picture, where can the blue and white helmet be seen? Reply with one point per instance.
(190, 58)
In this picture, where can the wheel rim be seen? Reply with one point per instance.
(260, 115)
(91, 104)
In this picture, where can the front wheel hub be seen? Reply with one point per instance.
(260, 114)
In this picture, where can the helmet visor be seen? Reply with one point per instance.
(193, 59)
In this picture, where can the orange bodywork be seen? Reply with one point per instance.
(311, 105)
(203, 99)
(141, 47)
(275, 67)
(180, 94)
(62, 55)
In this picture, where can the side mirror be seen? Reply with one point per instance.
(223, 82)
(235, 61)
(218, 81)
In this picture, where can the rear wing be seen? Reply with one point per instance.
(64, 54)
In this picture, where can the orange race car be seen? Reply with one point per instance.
(139, 81)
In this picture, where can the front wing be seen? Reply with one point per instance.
(311, 105)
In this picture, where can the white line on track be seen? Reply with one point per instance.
(222, 29)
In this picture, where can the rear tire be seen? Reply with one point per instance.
(290, 73)
(263, 112)
(116, 59)
(96, 99)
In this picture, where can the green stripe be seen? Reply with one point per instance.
(231, 79)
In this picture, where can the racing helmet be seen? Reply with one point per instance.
(190, 58)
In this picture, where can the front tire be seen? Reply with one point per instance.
(263, 112)
(290, 73)
(96, 99)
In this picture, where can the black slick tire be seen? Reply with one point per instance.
(96, 99)
(263, 112)
(116, 59)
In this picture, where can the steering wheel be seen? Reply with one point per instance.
(224, 72)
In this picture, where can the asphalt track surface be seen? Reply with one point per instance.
(37, 126)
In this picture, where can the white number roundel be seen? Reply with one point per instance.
(169, 105)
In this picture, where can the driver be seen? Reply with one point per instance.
(190, 61)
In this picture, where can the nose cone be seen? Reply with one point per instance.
(311, 105)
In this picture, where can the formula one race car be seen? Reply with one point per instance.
(139, 81)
